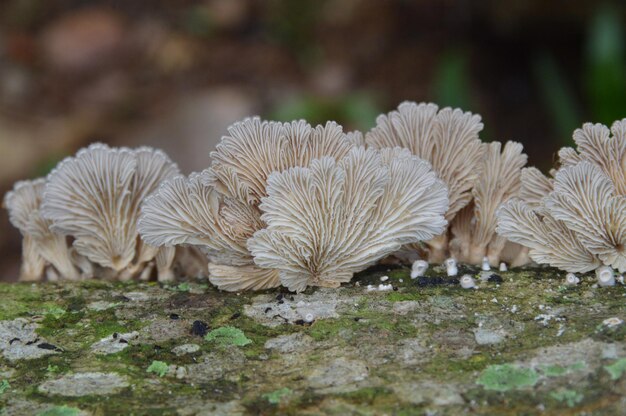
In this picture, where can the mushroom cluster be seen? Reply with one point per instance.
(80, 221)
(479, 176)
(295, 205)
(575, 221)
(287, 203)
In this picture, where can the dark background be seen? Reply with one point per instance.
(174, 74)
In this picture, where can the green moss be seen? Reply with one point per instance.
(18, 299)
(159, 368)
(228, 335)
(558, 370)
(60, 411)
(507, 377)
(569, 397)
(367, 395)
(616, 369)
(277, 396)
(4, 386)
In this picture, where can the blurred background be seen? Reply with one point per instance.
(174, 74)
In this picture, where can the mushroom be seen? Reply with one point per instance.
(94, 199)
(479, 177)
(549, 240)
(451, 267)
(571, 279)
(341, 215)
(605, 276)
(448, 139)
(217, 210)
(577, 221)
(418, 268)
(474, 229)
(40, 245)
(467, 282)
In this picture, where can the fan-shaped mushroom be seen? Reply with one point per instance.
(217, 210)
(40, 245)
(339, 216)
(94, 199)
(576, 222)
(479, 177)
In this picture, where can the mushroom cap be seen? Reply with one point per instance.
(95, 196)
(337, 217)
(447, 138)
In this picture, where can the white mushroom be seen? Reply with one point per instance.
(577, 221)
(448, 139)
(479, 177)
(503, 267)
(418, 268)
(451, 267)
(40, 245)
(337, 217)
(571, 279)
(94, 198)
(467, 282)
(217, 210)
(549, 240)
(605, 276)
(473, 230)
(485, 264)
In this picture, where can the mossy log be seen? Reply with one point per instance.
(521, 343)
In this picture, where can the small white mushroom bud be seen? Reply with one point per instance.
(384, 278)
(385, 288)
(571, 279)
(503, 267)
(485, 266)
(467, 282)
(605, 276)
(418, 269)
(451, 268)
(309, 318)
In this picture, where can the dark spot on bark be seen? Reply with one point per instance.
(48, 346)
(199, 328)
(495, 278)
(435, 281)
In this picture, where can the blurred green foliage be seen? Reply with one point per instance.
(605, 71)
(557, 96)
(603, 77)
(452, 83)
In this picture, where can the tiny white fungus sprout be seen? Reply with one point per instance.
(605, 276)
(485, 265)
(418, 268)
(451, 267)
(384, 278)
(571, 279)
(503, 267)
(385, 288)
(467, 282)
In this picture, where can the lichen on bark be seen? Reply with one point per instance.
(426, 345)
